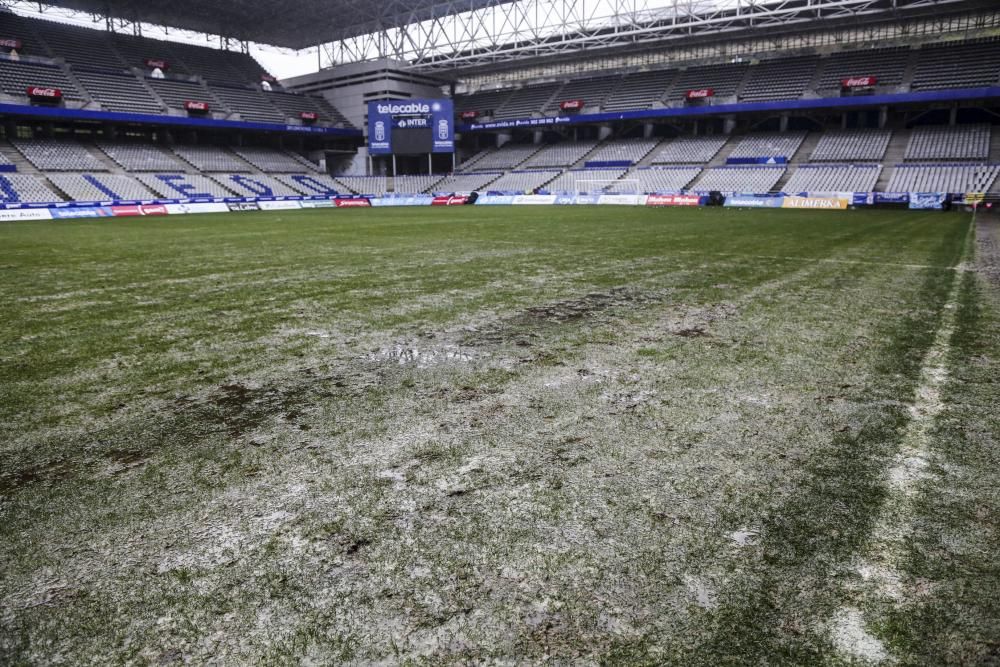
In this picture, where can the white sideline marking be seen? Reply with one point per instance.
(880, 568)
(961, 267)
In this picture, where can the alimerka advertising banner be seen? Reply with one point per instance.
(825, 203)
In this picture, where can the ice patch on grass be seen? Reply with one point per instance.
(745, 537)
(852, 638)
(704, 594)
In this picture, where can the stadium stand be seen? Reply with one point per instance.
(572, 181)
(141, 157)
(254, 185)
(739, 179)
(844, 145)
(628, 150)
(58, 155)
(591, 91)
(485, 103)
(251, 104)
(663, 180)
(17, 77)
(99, 187)
(116, 92)
(294, 104)
(78, 46)
(943, 178)
(887, 65)
(312, 184)
(640, 91)
(527, 101)
(563, 154)
(783, 79)
(958, 142)
(413, 185)
(770, 144)
(690, 150)
(178, 186)
(363, 185)
(25, 188)
(211, 158)
(467, 182)
(175, 93)
(275, 162)
(968, 65)
(522, 181)
(722, 79)
(506, 157)
(834, 178)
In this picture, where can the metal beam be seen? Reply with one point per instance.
(538, 29)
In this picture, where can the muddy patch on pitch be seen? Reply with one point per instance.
(11, 483)
(241, 408)
(520, 329)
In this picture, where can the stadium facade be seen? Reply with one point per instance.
(756, 99)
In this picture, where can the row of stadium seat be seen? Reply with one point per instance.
(63, 155)
(958, 142)
(16, 187)
(972, 63)
(102, 49)
(129, 92)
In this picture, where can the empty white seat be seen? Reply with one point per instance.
(757, 180)
(845, 145)
(100, 187)
(690, 150)
(834, 178)
(58, 155)
(943, 178)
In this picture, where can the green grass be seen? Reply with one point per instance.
(587, 434)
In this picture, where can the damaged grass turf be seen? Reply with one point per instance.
(654, 437)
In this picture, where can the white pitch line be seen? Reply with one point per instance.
(880, 567)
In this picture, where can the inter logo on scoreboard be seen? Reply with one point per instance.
(411, 126)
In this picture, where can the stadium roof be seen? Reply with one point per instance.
(294, 24)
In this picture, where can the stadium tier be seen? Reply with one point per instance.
(833, 161)
(255, 185)
(101, 70)
(964, 64)
(834, 178)
(861, 145)
(739, 179)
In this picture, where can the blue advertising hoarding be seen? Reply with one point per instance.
(437, 116)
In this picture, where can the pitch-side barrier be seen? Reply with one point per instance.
(160, 207)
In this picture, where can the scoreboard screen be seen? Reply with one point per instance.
(411, 127)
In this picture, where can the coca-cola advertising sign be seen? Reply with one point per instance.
(859, 82)
(14, 44)
(700, 93)
(470, 115)
(310, 116)
(44, 93)
(454, 200)
(571, 105)
(157, 63)
(200, 107)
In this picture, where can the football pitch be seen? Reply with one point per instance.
(464, 435)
